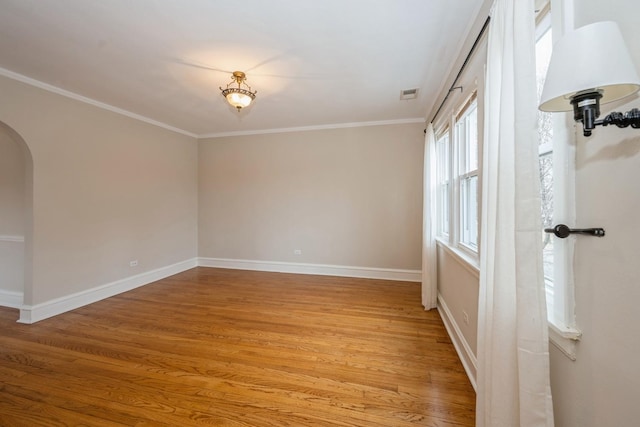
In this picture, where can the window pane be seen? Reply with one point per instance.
(467, 136)
(543, 56)
(442, 176)
(469, 211)
(461, 136)
(545, 144)
(467, 143)
(444, 209)
(473, 138)
(546, 194)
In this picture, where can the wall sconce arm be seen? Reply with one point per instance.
(630, 118)
(562, 231)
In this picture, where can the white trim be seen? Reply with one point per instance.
(15, 239)
(470, 264)
(11, 299)
(563, 332)
(565, 339)
(35, 313)
(319, 269)
(468, 359)
(54, 89)
(68, 94)
(311, 128)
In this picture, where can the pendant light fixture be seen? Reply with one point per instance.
(238, 97)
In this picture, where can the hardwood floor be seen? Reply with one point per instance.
(237, 348)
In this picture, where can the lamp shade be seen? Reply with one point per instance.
(591, 58)
(238, 98)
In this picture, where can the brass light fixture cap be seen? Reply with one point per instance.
(239, 76)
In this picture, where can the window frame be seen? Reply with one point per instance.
(443, 149)
(464, 173)
(563, 331)
(446, 124)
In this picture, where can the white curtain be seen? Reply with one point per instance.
(429, 264)
(513, 354)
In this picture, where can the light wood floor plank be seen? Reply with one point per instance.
(237, 348)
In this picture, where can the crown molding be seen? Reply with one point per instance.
(59, 91)
(68, 94)
(312, 128)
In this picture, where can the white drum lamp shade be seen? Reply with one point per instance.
(593, 58)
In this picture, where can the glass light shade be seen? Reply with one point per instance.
(238, 99)
(591, 58)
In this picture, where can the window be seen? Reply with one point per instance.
(545, 155)
(557, 160)
(457, 173)
(459, 126)
(443, 177)
(466, 131)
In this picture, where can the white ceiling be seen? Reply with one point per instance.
(313, 62)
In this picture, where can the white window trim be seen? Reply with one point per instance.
(563, 332)
(471, 81)
(463, 245)
(451, 241)
(463, 110)
(564, 339)
(444, 235)
(469, 263)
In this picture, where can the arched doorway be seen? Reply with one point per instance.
(16, 219)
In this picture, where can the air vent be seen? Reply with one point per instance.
(409, 93)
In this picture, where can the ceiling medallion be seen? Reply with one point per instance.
(238, 97)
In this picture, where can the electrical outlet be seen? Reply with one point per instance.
(133, 263)
(297, 251)
(465, 317)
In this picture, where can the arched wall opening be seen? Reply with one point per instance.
(16, 219)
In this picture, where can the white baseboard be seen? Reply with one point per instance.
(11, 299)
(319, 269)
(468, 359)
(35, 313)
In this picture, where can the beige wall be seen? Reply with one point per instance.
(11, 266)
(602, 387)
(350, 197)
(458, 276)
(12, 186)
(458, 286)
(106, 190)
(12, 213)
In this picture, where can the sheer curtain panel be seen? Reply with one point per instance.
(429, 263)
(513, 354)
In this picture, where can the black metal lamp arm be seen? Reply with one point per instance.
(562, 231)
(630, 118)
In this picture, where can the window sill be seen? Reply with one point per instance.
(467, 261)
(565, 339)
